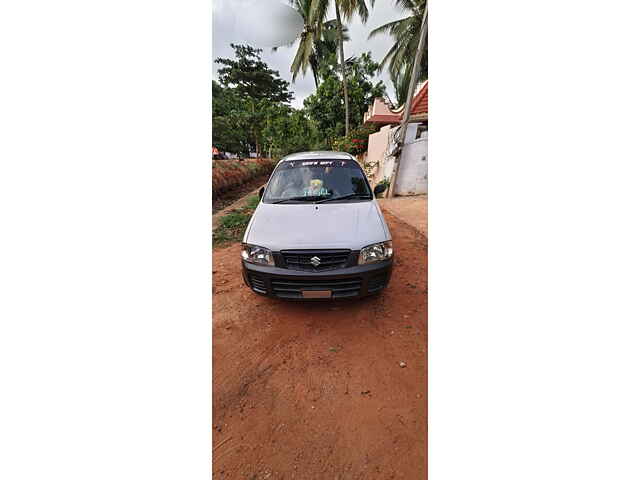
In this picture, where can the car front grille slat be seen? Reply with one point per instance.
(258, 283)
(293, 288)
(301, 259)
(377, 283)
(314, 283)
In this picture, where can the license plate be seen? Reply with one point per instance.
(316, 293)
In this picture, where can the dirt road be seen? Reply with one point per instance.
(316, 391)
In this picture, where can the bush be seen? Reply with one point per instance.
(233, 225)
(230, 174)
(252, 203)
(356, 142)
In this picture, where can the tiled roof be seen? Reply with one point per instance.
(419, 103)
(379, 112)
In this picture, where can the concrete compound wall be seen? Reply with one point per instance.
(412, 174)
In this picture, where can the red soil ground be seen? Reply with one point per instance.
(316, 391)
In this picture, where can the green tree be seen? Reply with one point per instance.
(288, 130)
(326, 48)
(248, 88)
(346, 9)
(250, 77)
(317, 43)
(229, 124)
(325, 106)
(406, 35)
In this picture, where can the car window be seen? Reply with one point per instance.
(317, 178)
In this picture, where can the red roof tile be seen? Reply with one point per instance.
(419, 103)
(419, 106)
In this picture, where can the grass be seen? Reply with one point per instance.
(252, 203)
(232, 226)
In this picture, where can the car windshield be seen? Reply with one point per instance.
(317, 180)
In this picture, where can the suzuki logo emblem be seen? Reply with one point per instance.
(315, 261)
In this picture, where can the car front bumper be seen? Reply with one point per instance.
(352, 282)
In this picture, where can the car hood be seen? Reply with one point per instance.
(350, 225)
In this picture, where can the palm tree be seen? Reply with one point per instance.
(406, 35)
(326, 48)
(400, 81)
(318, 42)
(346, 9)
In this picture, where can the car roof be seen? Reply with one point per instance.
(324, 155)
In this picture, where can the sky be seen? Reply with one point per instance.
(249, 21)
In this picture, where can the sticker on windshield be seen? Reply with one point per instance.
(319, 163)
(315, 188)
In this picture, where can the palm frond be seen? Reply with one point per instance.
(391, 27)
(405, 33)
(349, 8)
(301, 60)
(401, 82)
(409, 5)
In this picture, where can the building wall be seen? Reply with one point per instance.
(412, 175)
(376, 150)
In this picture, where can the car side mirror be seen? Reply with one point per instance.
(261, 192)
(380, 188)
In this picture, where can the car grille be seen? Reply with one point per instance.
(327, 260)
(258, 283)
(377, 283)
(343, 288)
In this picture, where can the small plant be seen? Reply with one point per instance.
(232, 226)
(234, 220)
(253, 201)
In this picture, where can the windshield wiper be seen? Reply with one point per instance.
(307, 198)
(344, 197)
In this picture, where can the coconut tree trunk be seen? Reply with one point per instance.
(407, 104)
(344, 70)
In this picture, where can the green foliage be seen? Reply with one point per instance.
(233, 225)
(326, 106)
(356, 142)
(288, 130)
(242, 101)
(400, 57)
(251, 78)
(234, 220)
(229, 174)
(253, 202)
(230, 123)
(317, 43)
(347, 9)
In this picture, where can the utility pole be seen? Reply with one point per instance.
(402, 132)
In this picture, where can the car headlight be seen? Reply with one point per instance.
(376, 253)
(256, 254)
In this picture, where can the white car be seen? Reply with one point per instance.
(318, 231)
